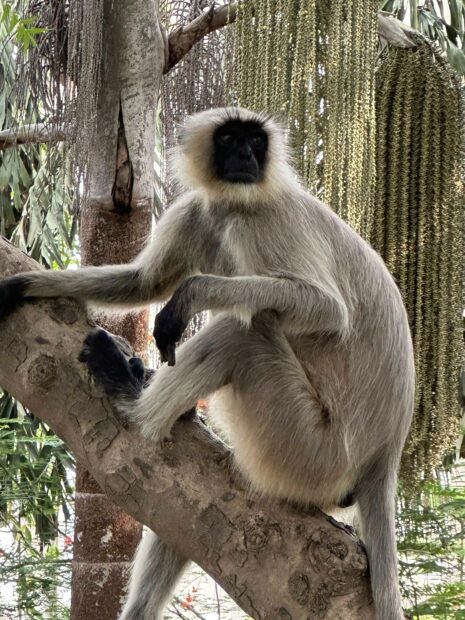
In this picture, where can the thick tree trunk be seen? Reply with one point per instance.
(277, 562)
(115, 222)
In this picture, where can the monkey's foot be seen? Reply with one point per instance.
(121, 379)
(159, 431)
(11, 294)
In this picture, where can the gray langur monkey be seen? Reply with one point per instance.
(309, 353)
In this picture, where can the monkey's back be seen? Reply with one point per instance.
(377, 359)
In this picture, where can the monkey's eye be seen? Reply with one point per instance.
(257, 140)
(226, 139)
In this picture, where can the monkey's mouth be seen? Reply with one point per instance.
(240, 177)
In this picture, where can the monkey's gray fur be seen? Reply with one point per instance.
(309, 354)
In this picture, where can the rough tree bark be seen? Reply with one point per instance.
(115, 221)
(276, 561)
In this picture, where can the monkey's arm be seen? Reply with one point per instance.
(153, 275)
(309, 307)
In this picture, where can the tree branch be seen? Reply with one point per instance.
(29, 134)
(183, 38)
(274, 560)
(394, 32)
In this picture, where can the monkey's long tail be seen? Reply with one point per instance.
(377, 511)
(154, 575)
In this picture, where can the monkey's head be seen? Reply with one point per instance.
(233, 154)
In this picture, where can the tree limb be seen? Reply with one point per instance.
(29, 134)
(394, 32)
(274, 560)
(183, 38)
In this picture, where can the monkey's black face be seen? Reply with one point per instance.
(240, 151)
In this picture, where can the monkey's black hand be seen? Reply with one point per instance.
(120, 378)
(170, 324)
(11, 294)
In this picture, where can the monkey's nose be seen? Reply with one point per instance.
(245, 153)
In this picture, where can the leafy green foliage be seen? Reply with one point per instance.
(443, 22)
(34, 468)
(38, 583)
(431, 544)
(22, 29)
(36, 188)
(36, 214)
(35, 504)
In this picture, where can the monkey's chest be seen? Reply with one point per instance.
(238, 254)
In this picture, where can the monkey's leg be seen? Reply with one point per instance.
(205, 364)
(156, 570)
(261, 367)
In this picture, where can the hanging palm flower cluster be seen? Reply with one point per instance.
(313, 63)
(419, 230)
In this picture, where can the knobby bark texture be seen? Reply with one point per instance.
(115, 221)
(276, 561)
